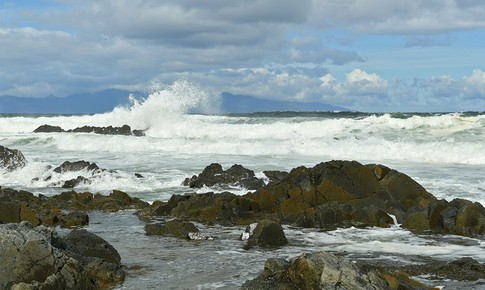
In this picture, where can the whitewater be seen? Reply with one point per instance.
(444, 152)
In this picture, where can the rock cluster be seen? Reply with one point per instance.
(213, 175)
(323, 271)
(331, 195)
(16, 206)
(110, 130)
(38, 258)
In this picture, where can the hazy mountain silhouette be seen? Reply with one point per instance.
(107, 100)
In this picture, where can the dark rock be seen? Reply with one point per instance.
(48, 129)
(18, 206)
(214, 175)
(463, 269)
(38, 258)
(329, 195)
(459, 217)
(267, 234)
(138, 175)
(110, 130)
(68, 166)
(315, 271)
(74, 219)
(173, 228)
(138, 133)
(275, 176)
(11, 159)
(99, 259)
(71, 183)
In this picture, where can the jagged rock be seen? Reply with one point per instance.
(68, 166)
(11, 159)
(71, 183)
(213, 175)
(460, 217)
(38, 258)
(315, 271)
(268, 234)
(16, 206)
(110, 130)
(48, 129)
(275, 176)
(329, 195)
(173, 228)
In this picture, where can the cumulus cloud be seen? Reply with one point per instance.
(284, 50)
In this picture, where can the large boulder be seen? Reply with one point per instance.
(268, 234)
(38, 258)
(214, 175)
(99, 259)
(315, 271)
(11, 159)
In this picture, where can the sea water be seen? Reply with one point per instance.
(444, 152)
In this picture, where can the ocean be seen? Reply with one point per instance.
(444, 152)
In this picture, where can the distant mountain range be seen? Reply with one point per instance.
(106, 100)
(247, 104)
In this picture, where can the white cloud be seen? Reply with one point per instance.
(284, 50)
(361, 82)
(475, 84)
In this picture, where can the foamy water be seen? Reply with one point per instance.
(443, 152)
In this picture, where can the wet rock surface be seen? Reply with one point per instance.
(11, 159)
(38, 258)
(214, 175)
(330, 195)
(16, 206)
(267, 234)
(173, 228)
(100, 260)
(109, 130)
(318, 271)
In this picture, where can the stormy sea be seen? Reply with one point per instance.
(444, 152)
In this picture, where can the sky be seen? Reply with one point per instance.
(365, 55)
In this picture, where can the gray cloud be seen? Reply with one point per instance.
(264, 48)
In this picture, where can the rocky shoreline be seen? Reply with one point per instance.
(330, 195)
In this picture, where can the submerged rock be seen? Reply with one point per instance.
(173, 228)
(463, 269)
(11, 159)
(38, 258)
(214, 175)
